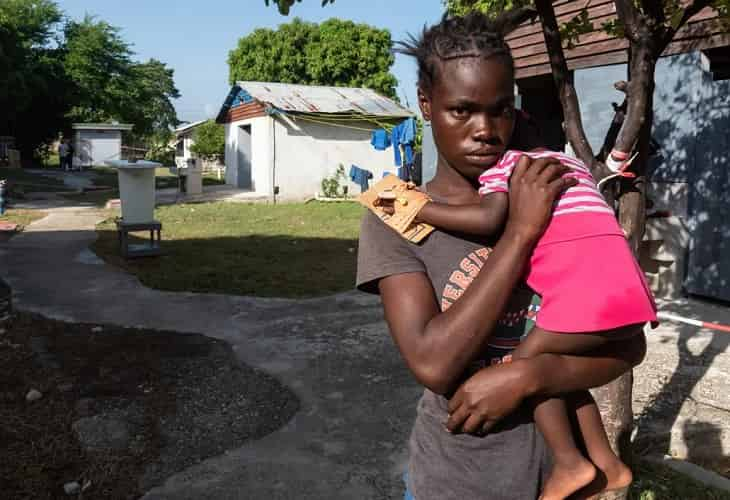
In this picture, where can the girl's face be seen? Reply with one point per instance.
(471, 107)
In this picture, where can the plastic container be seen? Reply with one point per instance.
(194, 177)
(136, 190)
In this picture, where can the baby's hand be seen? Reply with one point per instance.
(387, 200)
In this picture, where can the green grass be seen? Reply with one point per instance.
(21, 217)
(288, 250)
(23, 181)
(52, 161)
(657, 482)
(105, 177)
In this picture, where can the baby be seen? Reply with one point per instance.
(589, 281)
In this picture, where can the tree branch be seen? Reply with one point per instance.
(564, 81)
(511, 19)
(610, 139)
(629, 16)
(654, 10)
(692, 9)
(643, 58)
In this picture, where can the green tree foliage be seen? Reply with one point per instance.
(110, 86)
(209, 140)
(148, 99)
(98, 61)
(336, 52)
(463, 7)
(159, 148)
(33, 86)
(54, 72)
(578, 25)
(285, 5)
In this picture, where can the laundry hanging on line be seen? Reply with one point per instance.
(380, 139)
(404, 134)
(361, 177)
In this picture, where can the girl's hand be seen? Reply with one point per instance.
(486, 397)
(534, 186)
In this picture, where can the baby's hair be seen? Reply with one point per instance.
(473, 35)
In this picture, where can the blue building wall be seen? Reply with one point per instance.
(692, 129)
(679, 82)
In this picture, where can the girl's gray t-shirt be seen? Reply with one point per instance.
(508, 463)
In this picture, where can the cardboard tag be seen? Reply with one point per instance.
(407, 201)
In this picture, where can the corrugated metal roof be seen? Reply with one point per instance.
(184, 128)
(101, 126)
(315, 99)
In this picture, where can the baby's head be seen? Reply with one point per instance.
(466, 90)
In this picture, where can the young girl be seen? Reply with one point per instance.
(593, 291)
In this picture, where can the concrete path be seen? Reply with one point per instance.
(681, 395)
(358, 401)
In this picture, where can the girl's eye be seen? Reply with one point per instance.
(460, 112)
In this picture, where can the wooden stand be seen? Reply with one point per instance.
(154, 248)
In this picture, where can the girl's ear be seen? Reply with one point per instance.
(424, 102)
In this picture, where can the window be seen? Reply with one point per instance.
(719, 62)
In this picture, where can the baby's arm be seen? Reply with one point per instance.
(485, 218)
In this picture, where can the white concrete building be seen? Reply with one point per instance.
(183, 141)
(95, 143)
(285, 138)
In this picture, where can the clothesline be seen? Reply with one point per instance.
(329, 119)
(334, 124)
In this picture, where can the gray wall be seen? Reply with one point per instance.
(680, 83)
(691, 126)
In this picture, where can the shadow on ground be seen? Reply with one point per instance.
(256, 265)
(122, 408)
(697, 414)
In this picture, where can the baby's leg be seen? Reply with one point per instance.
(612, 474)
(571, 471)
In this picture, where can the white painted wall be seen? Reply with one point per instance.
(187, 141)
(94, 147)
(307, 152)
(297, 154)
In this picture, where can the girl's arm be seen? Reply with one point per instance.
(486, 218)
(493, 392)
(439, 346)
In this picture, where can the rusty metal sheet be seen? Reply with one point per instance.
(320, 99)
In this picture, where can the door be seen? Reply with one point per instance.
(244, 157)
(105, 145)
(708, 272)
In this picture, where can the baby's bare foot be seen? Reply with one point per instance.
(567, 477)
(609, 477)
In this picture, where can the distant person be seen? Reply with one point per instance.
(70, 154)
(63, 155)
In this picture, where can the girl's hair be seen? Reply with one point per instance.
(473, 35)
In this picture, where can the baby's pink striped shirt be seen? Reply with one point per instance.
(583, 198)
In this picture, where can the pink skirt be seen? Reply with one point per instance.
(589, 284)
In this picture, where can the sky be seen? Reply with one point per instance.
(194, 37)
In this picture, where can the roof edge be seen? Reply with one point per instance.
(102, 126)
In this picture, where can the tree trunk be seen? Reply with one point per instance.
(630, 132)
(614, 401)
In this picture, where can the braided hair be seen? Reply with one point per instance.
(474, 35)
